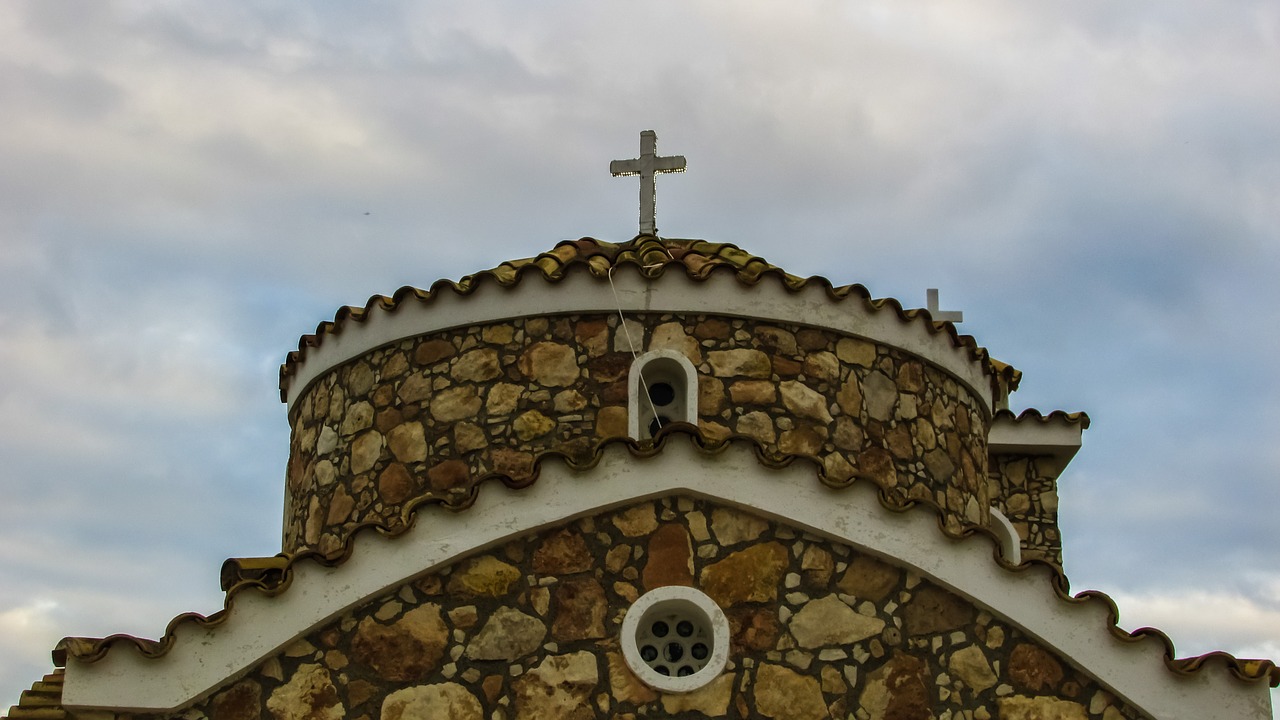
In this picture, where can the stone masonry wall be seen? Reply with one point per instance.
(529, 631)
(431, 415)
(1027, 494)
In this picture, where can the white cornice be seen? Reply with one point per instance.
(673, 292)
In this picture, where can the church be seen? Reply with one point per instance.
(661, 478)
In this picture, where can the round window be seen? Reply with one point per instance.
(675, 639)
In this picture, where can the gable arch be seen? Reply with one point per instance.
(202, 658)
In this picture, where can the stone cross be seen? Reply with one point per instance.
(646, 166)
(931, 301)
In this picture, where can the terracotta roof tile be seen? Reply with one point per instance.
(273, 575)
(42, 702)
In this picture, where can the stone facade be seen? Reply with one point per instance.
(429, 417)
(529, 630)
(1026, 491)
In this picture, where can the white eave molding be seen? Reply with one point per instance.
(202, 658)
(673, 292)
(1040, 437)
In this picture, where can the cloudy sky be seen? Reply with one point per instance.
(186, 188)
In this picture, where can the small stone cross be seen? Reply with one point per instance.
(931, 301)
(646, 166)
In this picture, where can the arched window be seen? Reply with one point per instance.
(663, 388)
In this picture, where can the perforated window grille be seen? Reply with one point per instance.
(675, 639)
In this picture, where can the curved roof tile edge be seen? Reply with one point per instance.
(90, 650)
(748, 269)
(1033, 415)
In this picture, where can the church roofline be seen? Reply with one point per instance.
(272, 577)
(356, 330)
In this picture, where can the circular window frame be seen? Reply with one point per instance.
(685, 601)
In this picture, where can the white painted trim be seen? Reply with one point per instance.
(203, 658)
(638, 402)
(714, 620)
(673, 292)
(1010, 541)
(1057, 439)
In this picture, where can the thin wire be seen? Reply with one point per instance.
(644, 384)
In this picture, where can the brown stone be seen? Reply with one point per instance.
(876, 464)
(512, 463)
(898, 690)
(408, 442)
(448, 475)
(817, 565)
(880, 395)
(408, 649)
(837, 468)
(710, 700)
(532, 424)
(669, 560)
(483, 576)
(934, 610)
(1020, 707)
(899, 441)
(734, 526)
(309, 695)
(442, 700)
(753, 392)
(242, 701)
(456, 403)
(776, 340)
(624, 685)
(611, 422)
(609, 368)
(750, 575)
(359, 417)
(856, 351)
(365, 451)
(498, 334)
(713, 430)
(970, 664)
(569, 401)
(562, 553)
(783, 694)
(753, 629)
(508, 635)
(939, 465)
(592, 335)
(803, 440)
(911, 377)
(1034, 669)
(492, 686)
(340, 507)
(848, 435)
(822, 366)
(477, 365)
(809, 339)
(786, 367)
(559, 687)
(671, 336)
(739, 363)
(503, 399)
(712, 329)
(580, 608)
(869, 579)
(468, 436)
(395, 366)
(636, 520)
(433, 351)
(711, 396)
(549, 363)
(359, 692)
(758, 425)
(828, 621)
(387, 418)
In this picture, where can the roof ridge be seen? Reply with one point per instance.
(279, 575)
